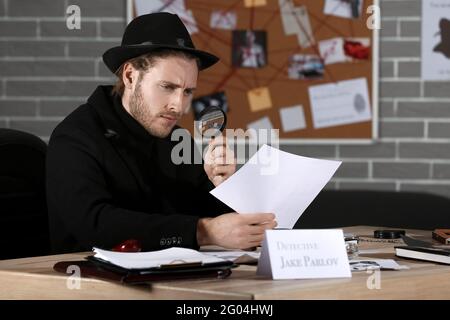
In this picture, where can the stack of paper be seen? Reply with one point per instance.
(155, 259)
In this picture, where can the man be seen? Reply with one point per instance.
(110, 177)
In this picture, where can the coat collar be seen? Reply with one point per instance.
(126, 135)
(108, 107)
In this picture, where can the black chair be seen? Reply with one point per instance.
(23, 213)
(409, 210)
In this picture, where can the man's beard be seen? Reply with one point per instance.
(142, 114)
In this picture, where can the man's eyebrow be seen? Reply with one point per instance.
(174, 85)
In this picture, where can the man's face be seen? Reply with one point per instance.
(163, 94)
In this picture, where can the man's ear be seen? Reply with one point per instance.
(129, 76)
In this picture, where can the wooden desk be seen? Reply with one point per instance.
(33, 278)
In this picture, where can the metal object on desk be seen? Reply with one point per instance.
(388, 234)
(351, 244)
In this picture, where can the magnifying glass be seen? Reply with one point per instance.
(211, 122)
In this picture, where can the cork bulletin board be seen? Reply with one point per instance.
(306, 67)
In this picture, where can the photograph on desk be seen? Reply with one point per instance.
(204, 152)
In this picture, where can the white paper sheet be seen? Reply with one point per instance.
(290, 25)
(295, 21)
(265, 125)
(154, 259)
(276, 182)
(177, 7)
(332, 51)
(435, 40)
(369, 264)
(304, 35)
(340, 103)
(292, 118)
(226, 20)
(235, 256)
(340, 8)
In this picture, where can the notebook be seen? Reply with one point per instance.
(424, 253)
(139, 267)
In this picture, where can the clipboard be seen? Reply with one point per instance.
(97, 268)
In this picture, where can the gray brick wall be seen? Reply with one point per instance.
(413, 151)
(47, 70)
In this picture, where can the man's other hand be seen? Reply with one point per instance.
(220, 162)
(235, 231)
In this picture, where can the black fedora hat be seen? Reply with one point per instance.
(149, 32)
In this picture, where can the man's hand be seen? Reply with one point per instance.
(235, 231)
(220, 163)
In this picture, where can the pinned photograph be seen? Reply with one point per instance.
(357, 48)
(218, 99)
(225, 20)
(350, 9)
(305, 67)
(249, 49)
(332, 51)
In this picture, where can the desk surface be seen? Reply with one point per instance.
(34, 278)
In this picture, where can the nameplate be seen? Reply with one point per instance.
(304, 254)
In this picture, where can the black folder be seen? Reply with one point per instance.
(98, 268)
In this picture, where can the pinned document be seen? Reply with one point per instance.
(225, 20)
(254, 3)
(340, 103)
(176, 7)
(259, 99)
(292, 118)
(296, 22)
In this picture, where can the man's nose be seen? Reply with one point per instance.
(176, 102)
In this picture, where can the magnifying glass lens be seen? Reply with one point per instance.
(211, 122)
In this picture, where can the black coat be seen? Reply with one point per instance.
(108, 180)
